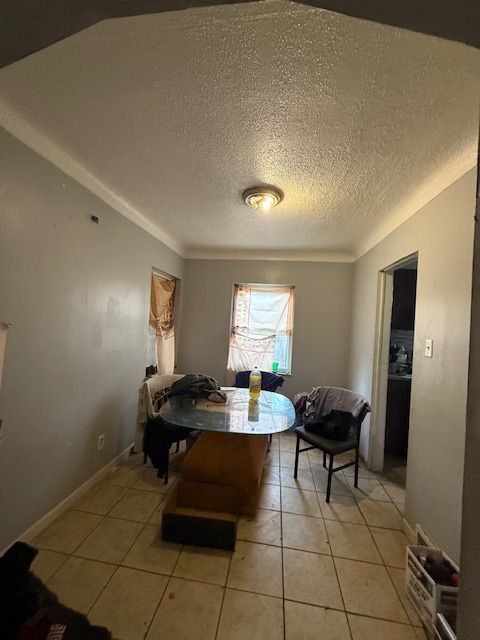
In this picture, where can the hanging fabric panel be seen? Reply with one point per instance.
(162, 301)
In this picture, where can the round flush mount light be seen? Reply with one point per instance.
(263, 198)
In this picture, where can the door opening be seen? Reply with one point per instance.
(393, 369)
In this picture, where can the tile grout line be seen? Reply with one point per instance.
(383, 563)
(113, 517)
(392, 583)
(158, 606)
(72, 553)
(343, 599)
(121, 559)
(119, 565)
(223, 594)
(317, 606)
(282, 557)
(64, 561)
(117, 568)
(230, 564)
(387, 566)
(336, 575)
(376, 526)
(170, 577)
(365, 523)
(398, 594)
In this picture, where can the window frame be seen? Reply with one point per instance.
(266, 285)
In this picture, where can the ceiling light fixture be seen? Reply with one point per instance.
(263, 198)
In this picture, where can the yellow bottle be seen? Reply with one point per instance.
(255, 384)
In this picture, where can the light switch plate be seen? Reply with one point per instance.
(429, 348)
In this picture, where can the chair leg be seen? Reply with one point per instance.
(178, 446)
(297, 452)
(325, 459)
(269, 443)
(357, 459)
(330, 474)
(162, 470)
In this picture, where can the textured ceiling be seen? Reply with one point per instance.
(170, 117)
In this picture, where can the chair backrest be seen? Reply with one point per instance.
(360, 418)
(323, 400)
(345, 407)
(270, 381)
(158, 388)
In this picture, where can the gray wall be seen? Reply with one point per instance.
(442, 233)
(322, 317)
(77, 295)
(470, 557)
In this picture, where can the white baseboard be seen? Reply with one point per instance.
(65, 504)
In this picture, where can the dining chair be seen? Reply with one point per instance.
(152, 436)
(333, 446)
(270, 381)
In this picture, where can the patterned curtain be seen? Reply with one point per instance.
(162, 300)
(259, 316)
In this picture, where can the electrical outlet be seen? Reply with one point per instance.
(100, 441)
(429, 348)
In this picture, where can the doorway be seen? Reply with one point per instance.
(393, 369)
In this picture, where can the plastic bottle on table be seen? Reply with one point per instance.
(255, 384)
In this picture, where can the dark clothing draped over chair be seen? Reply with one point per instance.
(322, 401)
(157, 441)
(194, 385)
(333, 419)
(159, 436)
(270, 381)
(153, 436)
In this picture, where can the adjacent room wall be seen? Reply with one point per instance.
(442, 233)
(77, 296)
(322, 317)
(470, 558)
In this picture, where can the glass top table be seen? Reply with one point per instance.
(272, 413)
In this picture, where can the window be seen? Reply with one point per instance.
(262, 327)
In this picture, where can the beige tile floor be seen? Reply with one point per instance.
(302, 569)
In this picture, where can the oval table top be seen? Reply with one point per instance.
(272, 413)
